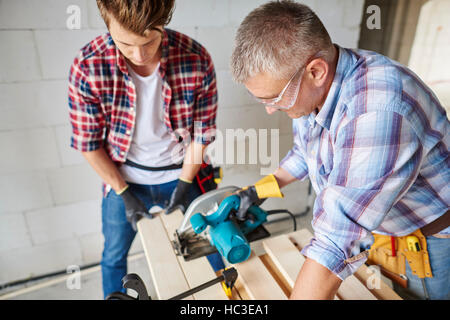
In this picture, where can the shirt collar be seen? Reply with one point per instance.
(326, 113)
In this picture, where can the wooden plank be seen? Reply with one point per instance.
(276, 274)
(286, 257)
(351, 288)
(196, 271)
(240, 289)
(167, 275)
(257, 281)
(384, 292)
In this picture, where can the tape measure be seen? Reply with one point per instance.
(413, 243)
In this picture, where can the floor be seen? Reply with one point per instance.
(90, 287)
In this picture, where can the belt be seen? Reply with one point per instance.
(437, 225)
(139, 166)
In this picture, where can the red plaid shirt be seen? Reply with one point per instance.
(102, 97)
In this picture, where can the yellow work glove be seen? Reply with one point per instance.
(265, 188)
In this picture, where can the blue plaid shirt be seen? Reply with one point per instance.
(377, 156)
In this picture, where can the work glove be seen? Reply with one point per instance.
(179, 198)
(265, 188)
(134, 208)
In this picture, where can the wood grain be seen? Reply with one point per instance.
(258, 282)
(196, 271)
(166, 273)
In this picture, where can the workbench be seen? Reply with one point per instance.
(268, 276)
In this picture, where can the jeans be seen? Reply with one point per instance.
(438, 287)
(119, 234)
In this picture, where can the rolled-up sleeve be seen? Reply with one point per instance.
(86, 118)
(205, 109)
(293, 162)
(377, 158)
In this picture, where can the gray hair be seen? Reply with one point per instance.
(277, 38)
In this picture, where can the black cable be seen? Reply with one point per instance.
(270, 212)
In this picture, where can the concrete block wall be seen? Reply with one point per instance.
(49, 196)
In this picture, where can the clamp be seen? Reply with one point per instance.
(134, 282)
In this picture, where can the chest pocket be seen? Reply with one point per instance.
(325, 159)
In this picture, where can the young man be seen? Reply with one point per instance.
(136, 94)
(372, 138)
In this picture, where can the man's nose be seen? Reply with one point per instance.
(139, 54)
(271, 110)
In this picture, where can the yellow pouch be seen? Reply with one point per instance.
(380, 253)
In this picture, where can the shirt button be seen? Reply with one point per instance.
(128, 132)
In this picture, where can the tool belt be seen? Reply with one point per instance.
(392, 253)
(206, 179)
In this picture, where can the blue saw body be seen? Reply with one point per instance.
(228, 236)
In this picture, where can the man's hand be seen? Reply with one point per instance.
(179, 198)
(134, 208)
(265, 188)
(249, 197)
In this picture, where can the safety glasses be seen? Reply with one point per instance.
(287, 97)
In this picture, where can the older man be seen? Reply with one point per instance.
(372, 138)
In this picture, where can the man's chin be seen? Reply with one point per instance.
(139, 64)
(295, 115)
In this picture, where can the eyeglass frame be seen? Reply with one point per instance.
(271, 102)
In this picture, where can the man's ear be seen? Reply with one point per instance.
(318, 70)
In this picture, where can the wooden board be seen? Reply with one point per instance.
(286, 257)
(351, 288)
(257, 281)
(166, 273)
(276, 274)
(384, 292)
(196, 271)
(270, 276)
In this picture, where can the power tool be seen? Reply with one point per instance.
(210, 225)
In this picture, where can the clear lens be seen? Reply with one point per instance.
(288, 96)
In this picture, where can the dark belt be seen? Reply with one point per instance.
(139, 166)
(437, 225)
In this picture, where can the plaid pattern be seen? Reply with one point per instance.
(377, 156)
(102, 96)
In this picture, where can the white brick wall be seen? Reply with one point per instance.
(49, 196)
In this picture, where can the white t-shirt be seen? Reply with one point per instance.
(151, 144)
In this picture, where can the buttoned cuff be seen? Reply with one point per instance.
(333, 259)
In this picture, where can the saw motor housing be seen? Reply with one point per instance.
(228, 235)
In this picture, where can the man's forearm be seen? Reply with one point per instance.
(192, 161)
(105, 168)
(283, 177)
(315, 282)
